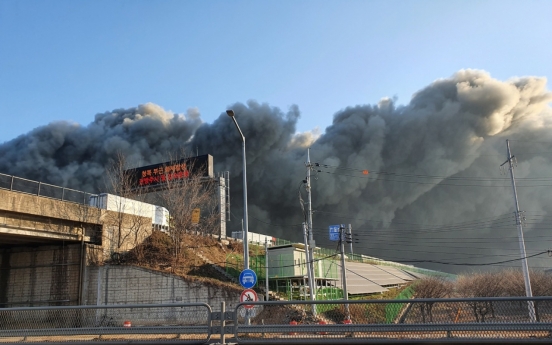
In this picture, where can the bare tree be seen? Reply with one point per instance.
(431, 287)
(184, 189)
(541, 285)
(131, 222)
(485, 284)
(514, 284)
(190, 199)
(541, 282)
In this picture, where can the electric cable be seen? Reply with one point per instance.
(275, 225)
(467, 264)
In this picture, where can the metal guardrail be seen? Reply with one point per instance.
(363, 321)
(18, 184)
(337, 322)
(182, 323)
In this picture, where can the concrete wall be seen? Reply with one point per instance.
(50, 275)
(135, 285)
(46, 207)
(39, 276)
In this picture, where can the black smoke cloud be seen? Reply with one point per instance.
(434, 191)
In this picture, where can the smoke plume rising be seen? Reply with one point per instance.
(434, 191)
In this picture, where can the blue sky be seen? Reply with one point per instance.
(68, 60)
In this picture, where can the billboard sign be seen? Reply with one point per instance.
(159, 176)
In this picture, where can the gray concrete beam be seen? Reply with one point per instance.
(27, 233)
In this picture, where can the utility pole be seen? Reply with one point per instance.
(344, 270)
(350, 238)
(307, 258)
(311, 244)
(309, 272)
(519, 224)
(266, 269)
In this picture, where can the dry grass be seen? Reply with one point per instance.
(157, 253)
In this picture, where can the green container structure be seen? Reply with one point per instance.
(287, 271)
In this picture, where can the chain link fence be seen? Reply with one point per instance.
(175, 323)
(335, 322)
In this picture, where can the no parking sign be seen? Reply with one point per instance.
(248, 295)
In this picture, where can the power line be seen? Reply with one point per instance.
(483, 264)
(443, 180)
(487, 219)
(446, 253)
(413, 230)
(440, 177)
(275, 225)
(466, 264)
(286, 266)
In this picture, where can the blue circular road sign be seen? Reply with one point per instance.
(248, 278)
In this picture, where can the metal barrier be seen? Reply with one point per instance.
(183, 323)
(363, 321)
(18, 184)
(337, 322)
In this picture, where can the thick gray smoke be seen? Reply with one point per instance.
(69, 155)
(434, 191)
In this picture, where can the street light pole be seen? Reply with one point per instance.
(245, 221)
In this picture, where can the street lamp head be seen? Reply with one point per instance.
(230, 112)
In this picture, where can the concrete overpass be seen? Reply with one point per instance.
(28, 220)
(48, 237)
(36, 213)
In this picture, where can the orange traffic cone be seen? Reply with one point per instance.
(348, 322)
(293, 323)
(322, 322)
